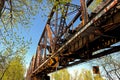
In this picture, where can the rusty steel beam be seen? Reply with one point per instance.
(76, 16)
(83, 29)
(88, 25)
(62, 25)
(48, 21)
(51, 14)
(38, 57)
(106, 52)
(83, 41)
(84, 12)
(49, 33)
(112, 49)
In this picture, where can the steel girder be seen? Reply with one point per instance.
(83, 41)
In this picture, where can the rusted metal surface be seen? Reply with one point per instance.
(84, 12)
(60, 44)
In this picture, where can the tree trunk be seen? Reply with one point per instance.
(2, 2)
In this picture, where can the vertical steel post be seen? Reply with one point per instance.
(49, 33)
(84, 12)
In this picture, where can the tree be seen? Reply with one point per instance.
(94, 4)
(75, 76)
(17, 11)
(14, 13)
(21, 12)
(61, 75)
(15, 70)
(12, 53)
(12, 45)
(85, 75)
(110, 66)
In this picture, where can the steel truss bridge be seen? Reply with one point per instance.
(62, 44)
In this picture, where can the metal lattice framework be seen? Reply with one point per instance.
(62, 45)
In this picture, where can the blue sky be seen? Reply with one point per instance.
(35, 32)
(38, 24)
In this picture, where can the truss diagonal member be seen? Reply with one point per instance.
(73, 5)
(84, 12)
(32, 64)
(63, 21)
(49, 33)
(38, 56)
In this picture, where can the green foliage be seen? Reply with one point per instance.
(13, 45)
(98, 77)
(19, 12)
(60, 1)
(15, 70)
(76, 75)
(94, 4)
(61, 75)
(46, 6)
(12, 54)
(85, 75)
